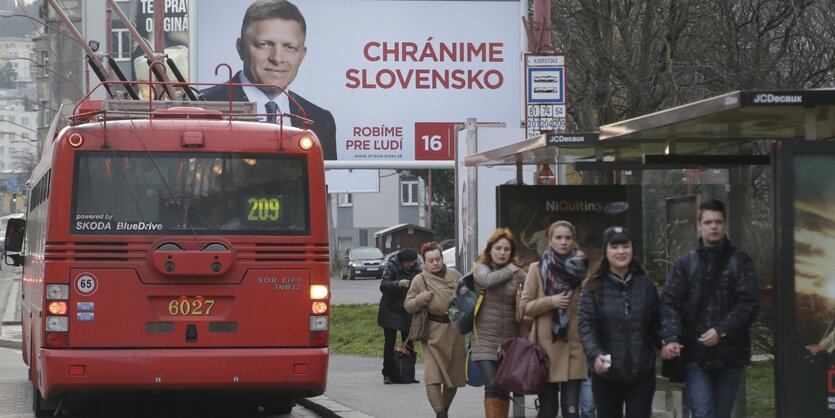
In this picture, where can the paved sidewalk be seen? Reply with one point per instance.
(356, 390)
(10, 330)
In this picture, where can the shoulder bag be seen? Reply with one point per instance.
(523, 367)
(419, 330)
(464, 305)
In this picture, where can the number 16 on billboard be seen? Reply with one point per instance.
(433, 141)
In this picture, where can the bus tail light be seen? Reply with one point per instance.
(77, 370)
(56, 339)
(58, 291)
(319, 339)
(58, 307)
(318, 323)
(319, 307)
(57, 323)
(319, 292)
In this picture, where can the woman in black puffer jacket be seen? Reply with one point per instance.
(391, 316)
(619, 328)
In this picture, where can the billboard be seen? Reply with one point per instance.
(528, 211)
(806, 288)
(129, 54)
(395, 75)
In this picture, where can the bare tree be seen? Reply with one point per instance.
(629, 58)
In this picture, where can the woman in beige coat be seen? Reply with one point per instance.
(498, 276)
(444, 355)
(551, 296)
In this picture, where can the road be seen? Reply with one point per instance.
(346, 292)
(16, 391)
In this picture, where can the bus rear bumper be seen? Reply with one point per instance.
(291, 372)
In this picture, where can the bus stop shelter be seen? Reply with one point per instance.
(717, 133)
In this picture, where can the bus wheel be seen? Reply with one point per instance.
(42, 407)
(280, 406)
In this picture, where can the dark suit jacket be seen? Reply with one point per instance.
(324, 126)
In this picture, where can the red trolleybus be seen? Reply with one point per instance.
(186, 250)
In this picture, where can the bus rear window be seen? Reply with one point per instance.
(186, 193)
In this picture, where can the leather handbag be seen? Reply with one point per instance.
(419, 330)
(523, 367)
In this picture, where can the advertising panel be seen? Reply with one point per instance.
(529, 211)
(806, 289)
(175, 26)
(385, 80)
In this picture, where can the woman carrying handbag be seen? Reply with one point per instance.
(551, 296)
(497, 274)
(444, 355)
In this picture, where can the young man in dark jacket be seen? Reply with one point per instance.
(392, 316)
(707, 307)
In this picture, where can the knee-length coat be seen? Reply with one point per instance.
(566, 358)
(444, 354)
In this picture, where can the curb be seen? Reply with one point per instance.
(7, 343)
(328, 408)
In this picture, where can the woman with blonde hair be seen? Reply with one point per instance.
(551, 296)
(499, 277)
(443, 351)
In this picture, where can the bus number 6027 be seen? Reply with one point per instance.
(190, 306)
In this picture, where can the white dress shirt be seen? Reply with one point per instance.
(254, 94)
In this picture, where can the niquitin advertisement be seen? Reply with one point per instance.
(806, 289)
(530, 210)
(382, 80)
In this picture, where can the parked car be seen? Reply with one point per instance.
(448, 243)
(362, 262)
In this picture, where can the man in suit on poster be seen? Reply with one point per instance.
(272, 49)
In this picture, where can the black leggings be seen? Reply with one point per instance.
(550, 401)
(488, 369)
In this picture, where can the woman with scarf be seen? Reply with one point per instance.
(551, 296)
(444, 355)
(497, 275)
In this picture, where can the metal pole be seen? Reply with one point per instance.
(472, 196)
(429, 201)
(159, 35)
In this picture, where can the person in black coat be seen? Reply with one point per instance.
(619, 328)
(708, 306)
(392, 316)
(272, 49)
